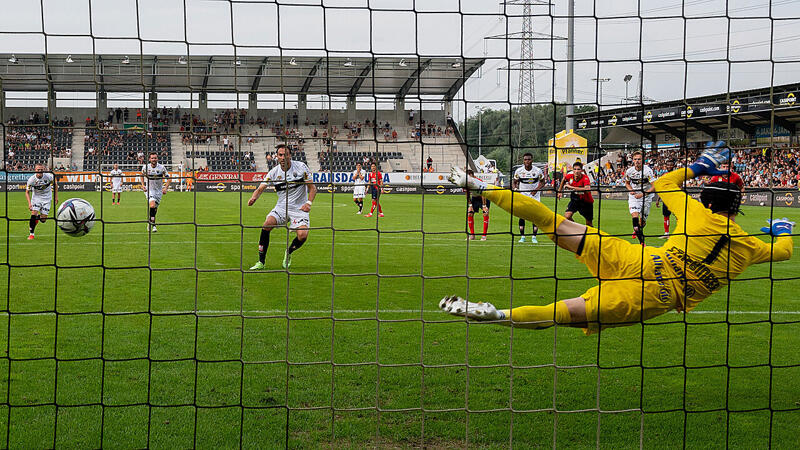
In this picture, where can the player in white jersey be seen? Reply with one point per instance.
(359, 187)
(116, 184)
(296, 193)
(40, 191)
(528, 180)
(155, 180)
(639, 180)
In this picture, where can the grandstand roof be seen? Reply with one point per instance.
(744, 110)
(336, 76)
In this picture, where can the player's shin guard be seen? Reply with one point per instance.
(32, 223)
(152, 216)
(526, 208)
(471, 224)
(263, 244)
(666, 224)
(539, 316)
(296, 243)
(485, 224)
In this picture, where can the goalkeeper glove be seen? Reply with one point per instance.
(715, 154)
(461, 179)
(778, 227)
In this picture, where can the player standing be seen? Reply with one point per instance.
(638, 283)
(728, 176)
(475, 203)
(639, 181)
(153, 176)
(375, 180)
(580, 197)
(40, 191)
(116, 184)
(295, 197)
(358, 187)
(528, 179)
(665, 209)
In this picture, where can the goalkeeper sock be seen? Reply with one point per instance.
(296, 243)
(526, 208)
(666, 224)
(263, 244)
(535, 230)
(471, 224)
(32, 223)
(485, 224)
(539, 316)
(522, 227)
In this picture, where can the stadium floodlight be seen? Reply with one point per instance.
(292, 62)
(69, 59)
(456, 65)
(402, 63)
(348, 63)
(126, 60)
(182, 60)
(238, 61)
(13, 59)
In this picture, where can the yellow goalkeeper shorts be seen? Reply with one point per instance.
(635, 284)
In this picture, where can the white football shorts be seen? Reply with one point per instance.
(295, 217)
(41, 204)
(359, 191)
(640, 205)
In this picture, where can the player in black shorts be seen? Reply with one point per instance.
(475, 203)
(580, 196)
(666, 213)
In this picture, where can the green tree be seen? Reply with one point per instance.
(508, 134)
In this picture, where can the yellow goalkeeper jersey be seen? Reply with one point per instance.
(707, 250)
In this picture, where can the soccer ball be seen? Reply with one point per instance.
(75, 217)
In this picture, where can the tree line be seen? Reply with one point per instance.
(504, 140)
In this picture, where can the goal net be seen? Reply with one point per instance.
(222, 309)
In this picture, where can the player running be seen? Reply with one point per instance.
(358, 187)
(41, 191)
(528, 179)
(295, 197)
(580, 196)
(639, 181)
(375, 180)
(154, 175)
(475, 203)
(638, 283)
(116, 185)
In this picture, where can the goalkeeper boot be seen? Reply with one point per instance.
(457, 306)
(287, 260)
(258, 266)
(534, 240)
(522, 239)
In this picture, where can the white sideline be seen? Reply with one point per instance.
(347, 311)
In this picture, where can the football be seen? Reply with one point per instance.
(75, 217)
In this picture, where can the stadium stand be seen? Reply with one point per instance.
(112, 146)
(30, 142)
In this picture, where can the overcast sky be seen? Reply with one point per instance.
(684, 48)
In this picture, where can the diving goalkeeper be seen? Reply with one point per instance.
(707, 250)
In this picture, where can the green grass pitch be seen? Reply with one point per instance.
(161, 340)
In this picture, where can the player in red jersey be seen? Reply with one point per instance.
(729, 177)
(375, 180)
(580, 197)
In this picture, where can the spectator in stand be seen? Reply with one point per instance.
(429, 163)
